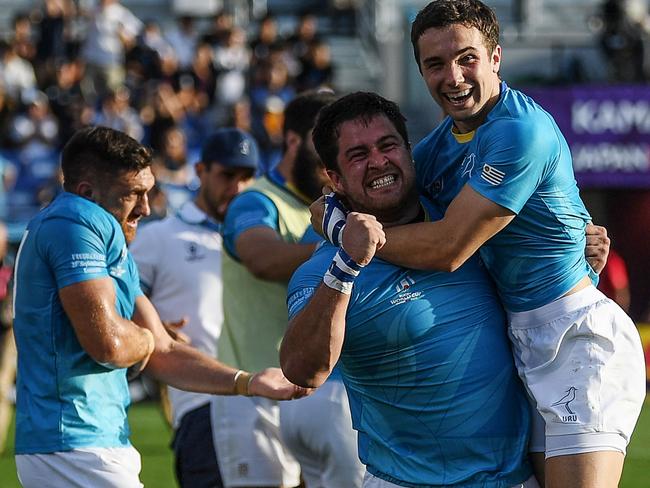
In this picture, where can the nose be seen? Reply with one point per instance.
(453, 74)
(377, 158)
(142, 206)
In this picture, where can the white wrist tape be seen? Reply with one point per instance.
(342, 272)
(334, 219)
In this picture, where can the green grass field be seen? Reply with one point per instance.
(151, 437)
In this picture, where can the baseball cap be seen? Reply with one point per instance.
(231, 147)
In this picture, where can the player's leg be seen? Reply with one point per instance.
(251, 453)
(581, 359)
(318, 432)
(589, 470)
(194, 451)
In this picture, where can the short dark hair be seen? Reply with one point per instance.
(443, 13)
(99, 152)
(358, 105)
(300, 114)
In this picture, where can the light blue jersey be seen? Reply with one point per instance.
(518, 159)
(429, 374)
(66, 400)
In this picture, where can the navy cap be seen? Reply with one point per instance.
(231, 147)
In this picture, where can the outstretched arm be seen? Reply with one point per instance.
(187, 368)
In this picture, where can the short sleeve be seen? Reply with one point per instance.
(145, 251)
(307, 278)
(513, 157)
(248, 210)
(75, 252)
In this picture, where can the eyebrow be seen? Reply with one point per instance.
(460, 52)
(382, 139)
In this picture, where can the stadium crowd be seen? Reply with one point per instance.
(62, 68)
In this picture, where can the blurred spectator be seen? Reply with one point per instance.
(53, 37)
(232, 60)
(220, 28)
(317, 70)
(204, 75)
(184, 39)
(173, 173)
(306, 32)
(117, 114)
(17, 73)
(269, 97)
(267, 36)
(111, 33)
(23, 38)
(35, 130)
(622, 41)
(66, 99)
(614, 281)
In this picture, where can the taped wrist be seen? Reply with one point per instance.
(334, 219)
(342, 272)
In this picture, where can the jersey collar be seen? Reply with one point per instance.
(193, 215)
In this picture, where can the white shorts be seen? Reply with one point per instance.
(318, 432)
(246, 432)
(371, 481)
(580, 358)
(111, 467)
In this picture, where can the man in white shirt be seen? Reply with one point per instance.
(179, 259)
(112, 30)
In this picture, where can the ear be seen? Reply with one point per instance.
(292, 140)
(496, 59)
(200, 168)
(335, 178)
(86, 189)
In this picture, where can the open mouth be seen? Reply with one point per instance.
(458, 98)
(382, 182)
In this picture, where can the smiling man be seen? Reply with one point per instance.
(81, 320)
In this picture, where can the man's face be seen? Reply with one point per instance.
(376, 173)
(219, 185)
(462, 76)
(125, 197)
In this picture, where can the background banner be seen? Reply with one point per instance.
(608, 131)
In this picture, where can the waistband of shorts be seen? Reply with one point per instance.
(557, 308)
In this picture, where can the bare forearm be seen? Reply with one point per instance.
(186, 368)
(312, 344)
(422, 246)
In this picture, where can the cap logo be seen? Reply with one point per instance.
(245, 147)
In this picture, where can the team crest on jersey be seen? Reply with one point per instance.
(193, 252)
(405, 294)
(467, 166)
(492, 175)
(567, 415)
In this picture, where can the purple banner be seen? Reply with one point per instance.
(608, 130)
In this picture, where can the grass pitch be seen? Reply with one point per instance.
(151, 436)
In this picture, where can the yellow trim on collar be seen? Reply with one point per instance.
(462, 138)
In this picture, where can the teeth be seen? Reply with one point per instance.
(383, 181)
(458, 95)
